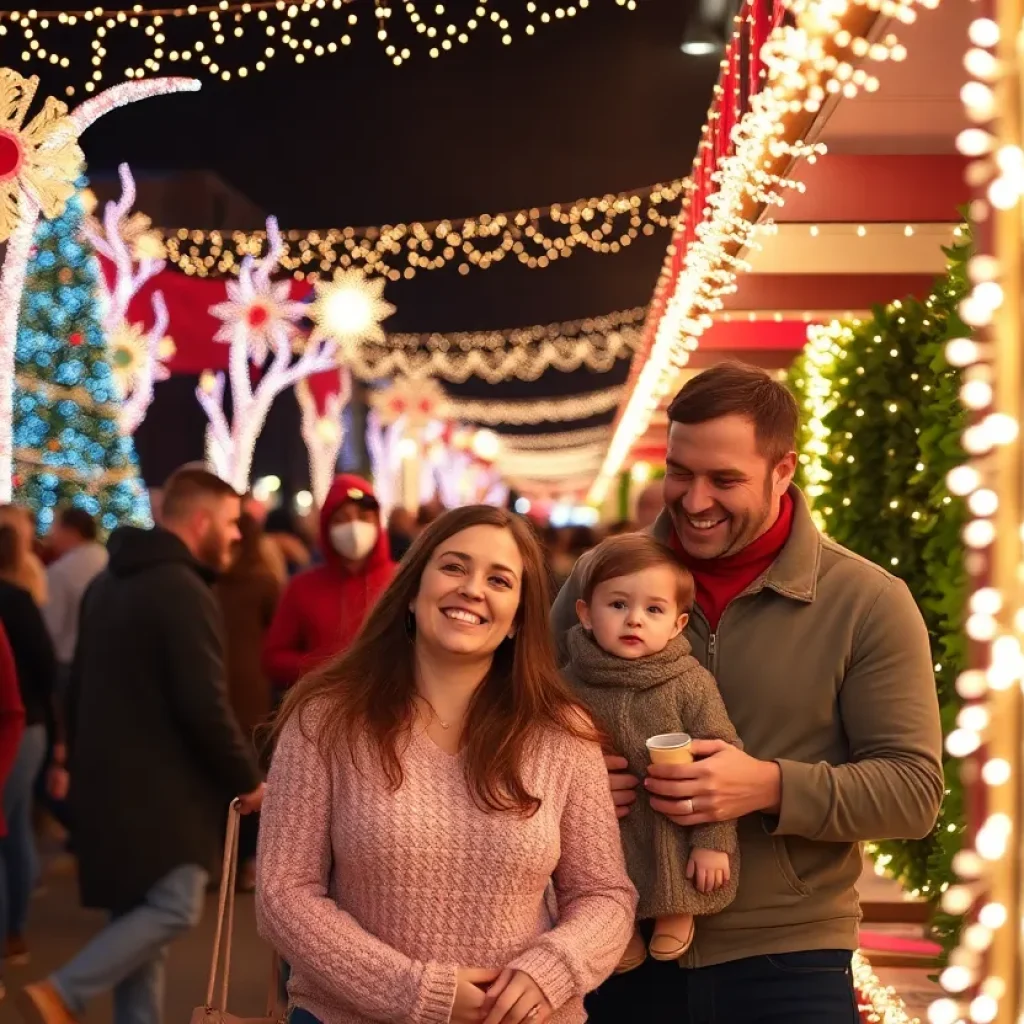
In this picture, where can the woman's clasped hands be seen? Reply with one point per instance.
(485, 996)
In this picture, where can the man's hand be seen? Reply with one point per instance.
(708, 870)
(515, 997)
(252, 802)
(623, 785)
(722, 785)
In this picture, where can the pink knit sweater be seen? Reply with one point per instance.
(376, 897)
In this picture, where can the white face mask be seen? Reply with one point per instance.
(354, 541)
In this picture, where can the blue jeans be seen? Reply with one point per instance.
(300, 1016)
(19, 859)
(129, 954)
(810, 987)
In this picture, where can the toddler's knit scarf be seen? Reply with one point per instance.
(596, 667)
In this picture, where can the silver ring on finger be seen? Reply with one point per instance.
(533, 1013)
(689, 807)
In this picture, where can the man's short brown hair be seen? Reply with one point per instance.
(739, 389)
(628, 553)
(79, 521)
(191, 484)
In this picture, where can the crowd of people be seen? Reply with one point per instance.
(439, 769)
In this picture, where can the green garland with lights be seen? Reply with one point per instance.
(880, 432)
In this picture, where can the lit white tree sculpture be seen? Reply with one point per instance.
(260, 321)
(323, 430)
(136, 355)
(400, 416)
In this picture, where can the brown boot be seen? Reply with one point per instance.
(673, 936)
(40, 1004)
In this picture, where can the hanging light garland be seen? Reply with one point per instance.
(535, 236)
(739, 173)
(230, 40)
(532, 411)
(548, 442)
(523, 352)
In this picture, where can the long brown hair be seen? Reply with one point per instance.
(369, 689)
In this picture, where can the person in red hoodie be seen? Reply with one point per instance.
(322, 609)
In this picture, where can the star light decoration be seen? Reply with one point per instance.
(39, 165)
(349, 308)
(260, 322)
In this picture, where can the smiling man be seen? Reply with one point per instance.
(823, 661)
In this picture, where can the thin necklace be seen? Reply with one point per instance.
(440, 721)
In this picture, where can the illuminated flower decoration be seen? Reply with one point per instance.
(350, 308)
(41, 158)
(417, 400)
(135, 230)
(128, 352)
(261, 310)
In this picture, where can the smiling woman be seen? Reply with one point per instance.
(428, 786)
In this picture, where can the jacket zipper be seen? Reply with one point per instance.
(712, 650)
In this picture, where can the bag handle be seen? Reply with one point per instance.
(225, 912)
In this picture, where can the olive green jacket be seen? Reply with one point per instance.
(825, 668)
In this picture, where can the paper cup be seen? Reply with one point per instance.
(670, 748)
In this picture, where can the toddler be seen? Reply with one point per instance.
(631, 666)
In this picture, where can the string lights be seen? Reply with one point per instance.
(879, 1004)
(536, 410)
(547, 442)
(523, 352)
(983, 980)
(741, 175)
(231, 40)
(535, 236)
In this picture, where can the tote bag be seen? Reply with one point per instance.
(215, 1010)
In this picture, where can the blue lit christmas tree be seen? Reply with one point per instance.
(68, 449)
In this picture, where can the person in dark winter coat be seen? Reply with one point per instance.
(36, 666)
(155, 751)
(248, 594)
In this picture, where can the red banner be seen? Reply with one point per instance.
(188, 307)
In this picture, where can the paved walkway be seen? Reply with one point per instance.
(58, 928)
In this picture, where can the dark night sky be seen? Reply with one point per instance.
(600, 103)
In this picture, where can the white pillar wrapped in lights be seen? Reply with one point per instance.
(46, 163)
(984, 979)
